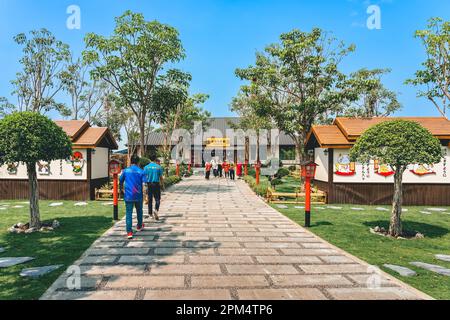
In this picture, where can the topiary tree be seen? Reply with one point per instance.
(29, 137)
(398, 143)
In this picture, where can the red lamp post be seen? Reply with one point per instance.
(257, 169)
(308, 172)
(115, 167)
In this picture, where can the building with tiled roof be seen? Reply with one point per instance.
(66, 179)
(372, 183)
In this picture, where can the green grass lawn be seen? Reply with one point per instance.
(349, 230)
(80, 227)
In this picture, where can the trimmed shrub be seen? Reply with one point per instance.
(171, 180)
(282, 172)
(261, 189)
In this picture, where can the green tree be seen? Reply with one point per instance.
(434, 78)
(29, 137)
(398, 143)
(298, 82)
(43, 62)
(131, 60)
(246, 105)
(86, 96)
(374, 99)
(178, 110)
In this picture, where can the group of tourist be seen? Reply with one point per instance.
(221, 169)
(134, 178)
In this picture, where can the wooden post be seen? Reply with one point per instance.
(246, 168)
(178, 170)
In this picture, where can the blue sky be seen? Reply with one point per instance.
(220, 36)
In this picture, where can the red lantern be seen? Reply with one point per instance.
(309, 169)
(308, 172)
(115, 167)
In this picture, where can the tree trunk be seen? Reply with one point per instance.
(299, 152)
(35, 219)
(395, 227)
(142, 138)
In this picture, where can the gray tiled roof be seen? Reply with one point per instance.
(222, 124)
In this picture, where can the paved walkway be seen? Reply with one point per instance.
(217, 240)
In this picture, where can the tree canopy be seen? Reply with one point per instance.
(131, 61)
(434, 79)
(297, 81)
(398, 143)
(373, 98)
(30, 137)
(43, 61)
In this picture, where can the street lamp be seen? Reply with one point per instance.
(308, 172)
(115, 167)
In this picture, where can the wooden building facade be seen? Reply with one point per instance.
(66, 179)
(372, 183)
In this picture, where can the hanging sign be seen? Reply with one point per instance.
(218, 143)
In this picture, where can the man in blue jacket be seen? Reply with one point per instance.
(133, 177)
(153, 176)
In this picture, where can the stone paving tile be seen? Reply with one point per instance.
(364, 279)
(261, 269)
(220, 259)
(310, 280)
(146, 282)
(150, 259)
(218, 240)
(309, 252)
(228, 281)
(281, 294)
(192, 294)
(112, 270)
(247, 251)
(288, 259)
(185, 269)
(371, 294)
(95, 295)
(99, 260)
(118, 251)
(337, 259)
(335, 268)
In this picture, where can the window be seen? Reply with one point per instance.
(287, 153)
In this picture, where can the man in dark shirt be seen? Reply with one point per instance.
(153, 176)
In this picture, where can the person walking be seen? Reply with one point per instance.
(154, 177)
(207, 170)
(239, 170)
(232, 171)
(133, 178)
(227, 169)
(220, 169)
